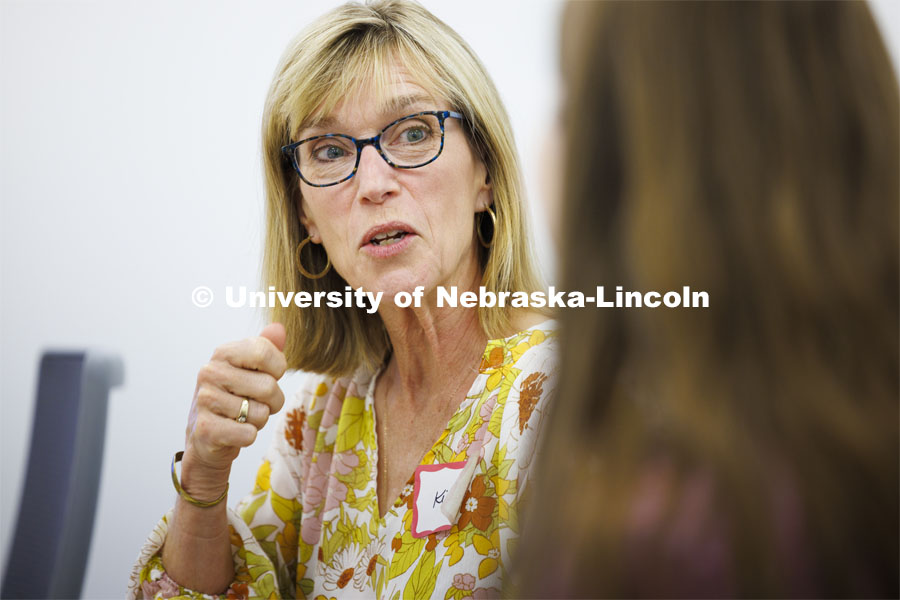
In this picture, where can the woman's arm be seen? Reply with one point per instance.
(197, 550)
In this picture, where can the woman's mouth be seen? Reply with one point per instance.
(388, 238)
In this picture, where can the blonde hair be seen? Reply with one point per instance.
(360, 43)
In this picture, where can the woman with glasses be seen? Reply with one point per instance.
(397, 470)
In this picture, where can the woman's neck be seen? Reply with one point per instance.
(434, 350)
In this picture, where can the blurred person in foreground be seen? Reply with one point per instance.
(390, 166)
(749, 448)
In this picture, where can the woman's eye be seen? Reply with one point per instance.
(411, 133)
(329, 153)
(414, 134)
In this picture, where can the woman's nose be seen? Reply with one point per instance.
(376, 180)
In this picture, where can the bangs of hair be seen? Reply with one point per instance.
(363, 64)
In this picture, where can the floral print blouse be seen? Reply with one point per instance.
(311, 527)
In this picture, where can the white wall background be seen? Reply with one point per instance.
(129, 174)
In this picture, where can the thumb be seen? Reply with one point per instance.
(275, 333)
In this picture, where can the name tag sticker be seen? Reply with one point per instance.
(432, 488)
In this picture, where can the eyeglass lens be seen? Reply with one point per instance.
(410, 142)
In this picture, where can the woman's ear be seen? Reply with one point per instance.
(311, 230)
(485, 194)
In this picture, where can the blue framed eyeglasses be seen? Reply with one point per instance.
(410, 142)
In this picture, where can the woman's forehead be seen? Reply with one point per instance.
(387, 95)
(350, 113)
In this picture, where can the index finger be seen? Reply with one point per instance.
(256, 353)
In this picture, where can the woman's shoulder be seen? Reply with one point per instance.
(521, 373)
(524, 320)
(526, 361)
(534, 340)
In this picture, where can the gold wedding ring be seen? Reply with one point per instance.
(245, 410)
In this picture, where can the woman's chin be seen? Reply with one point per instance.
(395, 283)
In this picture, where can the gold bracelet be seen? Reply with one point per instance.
(184, 494)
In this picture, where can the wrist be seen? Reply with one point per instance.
(203, 482)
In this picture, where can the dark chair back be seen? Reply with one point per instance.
(49, 550)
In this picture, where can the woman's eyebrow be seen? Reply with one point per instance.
(399, 103)
(388, 110)
(321, 124)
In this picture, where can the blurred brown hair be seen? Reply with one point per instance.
(749, 150)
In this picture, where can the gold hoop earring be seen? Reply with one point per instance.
(303, 271)
(493, 229)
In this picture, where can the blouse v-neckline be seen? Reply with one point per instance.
(369, 404)
(376, 451)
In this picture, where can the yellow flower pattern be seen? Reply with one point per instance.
(311, 529)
